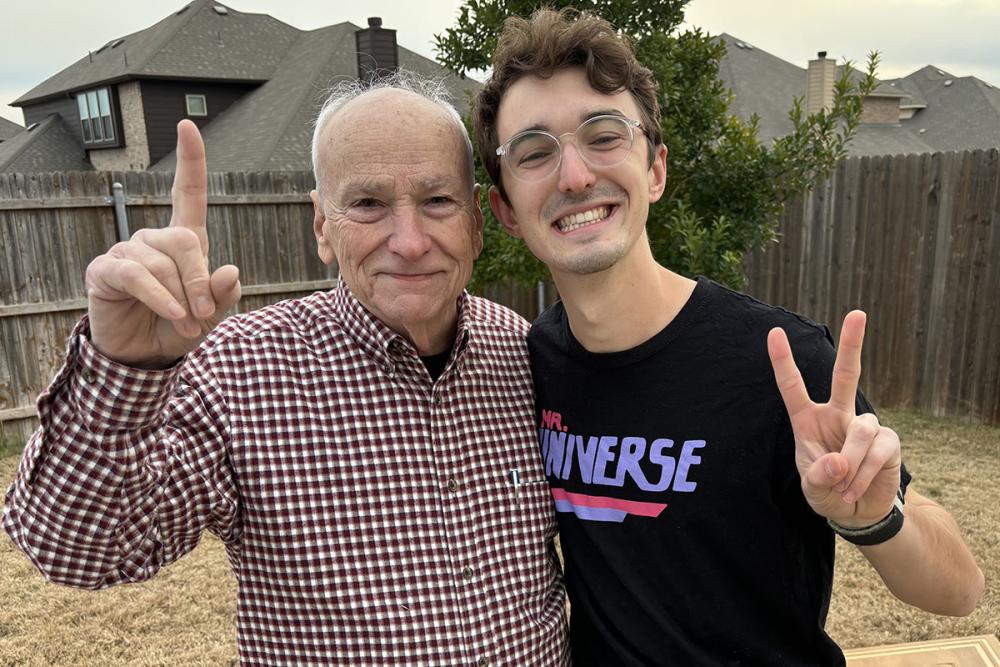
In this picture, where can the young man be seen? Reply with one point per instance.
(698, 485)
(352, 449)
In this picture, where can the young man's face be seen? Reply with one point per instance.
(580, 219)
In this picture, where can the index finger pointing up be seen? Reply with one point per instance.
(847, 367)
(190, 190)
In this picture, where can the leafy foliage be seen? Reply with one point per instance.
(726, 190)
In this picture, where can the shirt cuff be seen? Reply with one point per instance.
(109, 396)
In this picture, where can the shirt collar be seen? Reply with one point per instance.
(376, 338)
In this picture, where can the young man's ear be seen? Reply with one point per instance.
(504, 213)
(323, 247)
(658, 174)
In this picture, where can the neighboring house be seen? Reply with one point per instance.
(8, 129)
(251, 83)
(930, 110)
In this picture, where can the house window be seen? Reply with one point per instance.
(95, 116)
(196, 105)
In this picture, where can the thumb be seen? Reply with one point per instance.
(226, 288)
(824, 473)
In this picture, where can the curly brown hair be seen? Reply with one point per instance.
(551, 41)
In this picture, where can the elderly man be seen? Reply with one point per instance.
(698, 498)
(354, 449)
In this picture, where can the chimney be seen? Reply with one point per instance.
(377, 54)
(820, 78)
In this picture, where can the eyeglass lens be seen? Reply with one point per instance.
(604, 141)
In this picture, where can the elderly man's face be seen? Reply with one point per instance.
(398, 212)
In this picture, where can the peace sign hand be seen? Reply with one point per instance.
(849, 464)
(151, 299)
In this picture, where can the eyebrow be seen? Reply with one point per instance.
(583, 119)
(377, 186)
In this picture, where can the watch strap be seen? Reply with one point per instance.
(878, 532)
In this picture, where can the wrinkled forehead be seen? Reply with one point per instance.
(394, 131)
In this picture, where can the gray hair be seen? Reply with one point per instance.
(432, 90)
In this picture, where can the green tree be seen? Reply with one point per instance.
(726, 190)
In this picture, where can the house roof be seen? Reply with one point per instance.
(270, 128)
(962, 113)
(196, 42)
(950, 113)
(45, 146)
(8, 129)
(761, 83)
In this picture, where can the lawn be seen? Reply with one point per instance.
(186, 615)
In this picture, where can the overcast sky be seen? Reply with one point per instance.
(41, 37)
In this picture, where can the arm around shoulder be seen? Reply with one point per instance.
(927, 564)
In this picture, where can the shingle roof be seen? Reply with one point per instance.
(45, 146)
(270, 128)
(963, 113)
(951, 113)
(8, 129)
(195, 42)
(761, 83)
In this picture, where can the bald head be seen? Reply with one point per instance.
(400, 104)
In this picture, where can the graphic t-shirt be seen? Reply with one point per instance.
(686, 536)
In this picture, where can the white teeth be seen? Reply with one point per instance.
(577, 220)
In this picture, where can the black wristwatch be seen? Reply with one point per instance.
(877, 533)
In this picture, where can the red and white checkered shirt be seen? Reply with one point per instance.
(367, 511)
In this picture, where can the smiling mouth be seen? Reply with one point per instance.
(583, 219)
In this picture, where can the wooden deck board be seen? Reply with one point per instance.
(978, 651)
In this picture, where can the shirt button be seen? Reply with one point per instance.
(89, 376)
(484, 662)
(453, 485)
(468, 573)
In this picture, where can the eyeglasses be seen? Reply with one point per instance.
(602, 141)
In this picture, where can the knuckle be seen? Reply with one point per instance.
(864, 426)
(184, 240)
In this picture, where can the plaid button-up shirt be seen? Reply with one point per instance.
(368, 512)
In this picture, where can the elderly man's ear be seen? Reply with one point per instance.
(323, 247)
(504, 213)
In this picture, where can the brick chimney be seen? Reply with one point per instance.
(377, 54)
(820, 78)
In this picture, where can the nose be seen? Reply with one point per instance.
(409, 238)
(575, 174)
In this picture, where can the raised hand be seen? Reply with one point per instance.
(849, 464)
(152, 299)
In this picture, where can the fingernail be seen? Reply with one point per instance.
(176, 311)
(848, 497)
(829, 470)
(205, 307)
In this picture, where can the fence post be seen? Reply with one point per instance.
(121, 216)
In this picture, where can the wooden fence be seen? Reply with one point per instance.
(915, 241)
(53, 225)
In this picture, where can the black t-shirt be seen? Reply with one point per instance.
(686, 536)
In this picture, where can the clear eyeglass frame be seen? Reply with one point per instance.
(600, 158)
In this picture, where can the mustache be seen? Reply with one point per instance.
(563, 200)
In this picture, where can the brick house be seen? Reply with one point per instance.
(251, 82)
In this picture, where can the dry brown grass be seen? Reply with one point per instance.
(186, 615)
(958, 465)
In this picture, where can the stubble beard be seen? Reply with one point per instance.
(588, 263)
